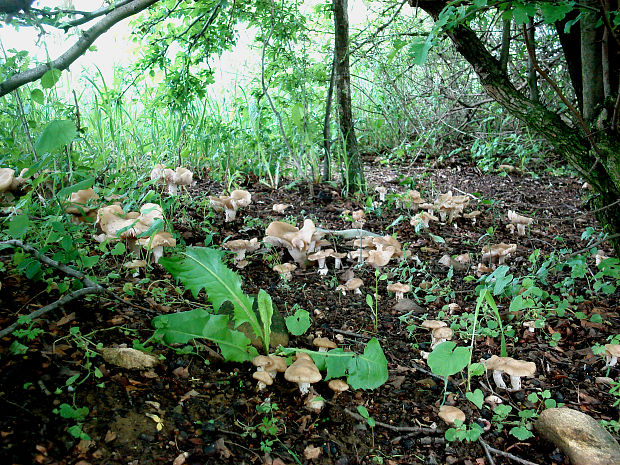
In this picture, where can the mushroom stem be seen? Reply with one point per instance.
(304, 388)
(399, 295)
(611, 360)
(230, 215)
(499, 382)
(337, 263)
(437, 342)
(515, 381)
(172, 189)
(158, 252)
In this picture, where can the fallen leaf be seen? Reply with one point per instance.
(66, 319)
(187, 395)
(311, 452)
(110, 436)
(221, 449)
(181, 372)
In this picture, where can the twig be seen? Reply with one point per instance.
(400, 429)
(53, 306)
(508, 455)
(351, 334)
(585, 249)
(487, 452)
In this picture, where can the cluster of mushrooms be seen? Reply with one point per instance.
(303, 372)
(173, 179)
(9, 182)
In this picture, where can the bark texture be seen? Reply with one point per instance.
(355, 170)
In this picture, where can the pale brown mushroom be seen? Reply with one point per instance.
(612, 352)
(157, 243)
(240, 247)
(338, 386)
(7, 175)
(324, 344)
(230, 204)
(304, 372)
(440, 335)
(78, 205)
(498, 253)
(263, 378)
(381, 190)
(448, 414)
(519, 221)
(400, 289)
(297, 241)
(514, 368)
(320, 258)
(352, 284)
(280, 208)
(285, 270)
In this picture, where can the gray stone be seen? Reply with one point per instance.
(579, 436)
(407, 305)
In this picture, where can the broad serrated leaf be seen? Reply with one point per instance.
(447, 359)
(56, 135)
(202, 268)
(180, 328)
(336, 364)
(369, 370)
(298, 323)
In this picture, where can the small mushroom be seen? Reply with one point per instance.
(400, 289)
(240, 247)
(314, 403)
(440, 335)
(519, 221)
(449, 413)
(263, 378)
(285, 270)
(320, 258)
(612, 352)
(433, 324)
(338, 386)
(514, 368)
(498, 253)
(304, 372)
(338, 256)
(352, 284)
(380, 257)
(324, 344)
(422, 219)
(359, 219)
(157, 243)
(78, 205)
(230, 204)
(280, 208)
(381, 190)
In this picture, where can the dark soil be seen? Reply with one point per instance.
(208, 409)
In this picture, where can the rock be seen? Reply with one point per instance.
(407, 305)
(130, 359)
(579, 436)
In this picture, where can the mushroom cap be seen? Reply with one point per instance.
(263, 377)
(399, 287)
(261, 361)
(613, 349)
(325, 343)
(511, 366)
(183, 176)
(79, 199)
(161, 239)
(157, 172)
(241, 198)
(433, 324)
(358, 215)
(279, 228)
(388, 241)
(277, 363)
(442, 333)
(449, 413)
(320, 255)
(515, 218)
(134, 264)
(337, 385)
(364, 242)
(353, 283)
(355, 254)
(378, 258)
(242, 244)
(498, 250)
(6, 179)
(339, 255)
(280, 207)
(303, 371)
(381, 189)
(284, 268)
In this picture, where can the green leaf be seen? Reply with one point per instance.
(180, 328)
(297, 114)
(56, 135)
(50, 78)
(369, 370)
(418, 49)
(202, 268)
(555, 12)
(521, 433)
(298, 323)
(36, 95)
(336, 363)
(265, 310)
(447, 359)
(476, 398)
(67, 191)
(18, 226)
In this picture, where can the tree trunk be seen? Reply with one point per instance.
(591, 63)
(355, 169)
(571, 46)
(601, 171)
(532, 80)
(504, 53)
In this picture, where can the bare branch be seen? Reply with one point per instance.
(79, 48)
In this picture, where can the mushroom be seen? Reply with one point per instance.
(304, 372)
(449, 413)
(359, 219)
(380, 257)
(263, 378)
(352, 284)
(7, 175)
(381, 243)
(381, 190)
(285, 270)
(314, 403)
(514, 368)
(612, 352)
(412, 199)
(519, 221)
(320, 258)
(240, 247)
(498, 253)
(440, 335)
(530, 325)
(298, 242)
(338, 256)
(433, 324)
(400, 289)
(156, 244)
(324, 344)
(280, 208)
(271, 364)
(77, 205)
(450, 206)
(230, 204)
(338, 386)
(422, 219)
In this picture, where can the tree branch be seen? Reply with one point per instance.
(79, 48)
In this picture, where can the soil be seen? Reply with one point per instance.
(196, 409)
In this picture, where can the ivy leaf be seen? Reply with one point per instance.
(56, 135)
(202, 268)
(521, 433)
(447, 359)
(180, 328)
(298, 323)
(369, 370)
(476, 398)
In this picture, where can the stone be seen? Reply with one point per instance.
(128, 358)
(579, 436)
(407, 305)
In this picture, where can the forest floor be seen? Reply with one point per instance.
(212, 411)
